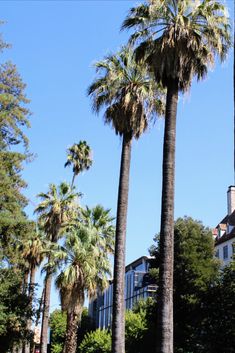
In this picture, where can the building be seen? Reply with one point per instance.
(224, 232)
(137, 286)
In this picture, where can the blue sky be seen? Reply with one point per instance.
(54, 44)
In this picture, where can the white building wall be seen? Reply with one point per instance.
(223, 254)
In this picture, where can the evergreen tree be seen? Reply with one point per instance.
(196, 271)
(14, 309)
(14, 116)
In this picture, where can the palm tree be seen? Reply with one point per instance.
(179, 40)
(55, 212)
(32, 250)
(86, 267)
(100, 219)
(79, 156)
(130, 98)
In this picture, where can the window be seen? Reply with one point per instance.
(233, 248)
(225, 252)
(217, 253)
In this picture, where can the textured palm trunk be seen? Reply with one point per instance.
(73, 180)
(73, 320)
(38, 316)
(25, 282)
(31, 294)
(165, 294)
(45, 315)
(118, 321)
(21, 347)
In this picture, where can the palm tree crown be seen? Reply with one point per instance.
(33, 248)
(56, 208)
(180, 38)
(100, 219)
(86, 265)
(126, 90)
(79, 156)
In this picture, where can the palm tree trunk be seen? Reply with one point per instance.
(39, 308)
(118, 323)
(31, 293)
(32, 283)
(25, 281)
(72, 183)
(24, 291)
(73, 320)
(45, 314)
(165, 293)
(38, 316)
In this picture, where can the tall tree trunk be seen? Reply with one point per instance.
(40, 308)
(31, 294)
(118, 323)
(25, 281)
(22, 344)
(38, 316)
(165, 293)
(73, 320)
(45, 314)
(73, 179)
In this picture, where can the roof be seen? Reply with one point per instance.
(225, 237)
(133, 264)
(229, 219)
(137, 262)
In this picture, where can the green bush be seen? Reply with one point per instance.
(58, 330)
(98, 341)
(135, 329)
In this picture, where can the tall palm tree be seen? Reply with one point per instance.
(100, 219)
(130, 99)
(179, 40)
(32, 250)
(79, 156)
(55, 211)
(86, 270)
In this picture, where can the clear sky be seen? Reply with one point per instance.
(54, 44)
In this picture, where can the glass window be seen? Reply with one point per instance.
(225, 252)
(233, 248)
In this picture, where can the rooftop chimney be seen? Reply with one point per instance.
(231, 199)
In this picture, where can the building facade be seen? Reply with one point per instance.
(137, 286)
(224, 232)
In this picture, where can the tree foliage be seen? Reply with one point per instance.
(218, 324)
(195, 271)
(14, 113)
(135, 330)
(14, 116)
(79, 156)
(14, 309)
(58, 323)
(98, 341)
(179, 39)
(128, 93)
